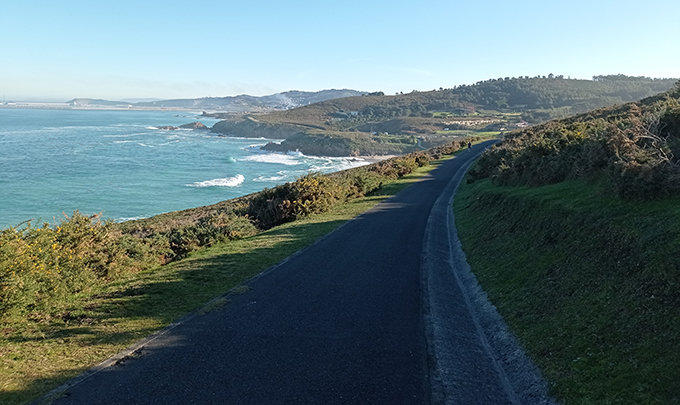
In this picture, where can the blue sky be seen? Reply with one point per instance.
(57, 50)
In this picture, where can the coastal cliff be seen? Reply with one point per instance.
(192, 125)
(345, 144)
(311, 140)
(250, 127)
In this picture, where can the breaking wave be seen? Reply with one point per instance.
(281, 175)
(223, 182)
(276, 158)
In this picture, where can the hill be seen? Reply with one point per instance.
(246, 103)
(573, 229)
(634, 148)
(433, 117)
(87, 102)
(228, 105)
(545, 97)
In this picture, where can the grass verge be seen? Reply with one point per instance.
(587, 281)
(38, 354)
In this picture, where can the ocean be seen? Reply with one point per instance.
(119, 164)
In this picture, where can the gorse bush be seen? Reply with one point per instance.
(362, 182)
(635, 148)
(401, 166)
(316, 193)
(207, 232)
(42, 268)
(310, 194)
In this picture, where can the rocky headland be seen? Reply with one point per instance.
(192, 125)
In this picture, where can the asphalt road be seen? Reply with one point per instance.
(346, 321)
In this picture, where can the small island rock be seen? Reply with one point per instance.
(194, 125)
(191, 125)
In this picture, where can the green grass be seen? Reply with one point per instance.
(471, 133)
(38, 354)
(442, 114)
(588, 282)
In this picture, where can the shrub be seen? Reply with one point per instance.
(208, 231)
(633, 147)
(398, 167)
(421, 159)
(314, 193)
(42, 267)
(309, 194)
(364, 182)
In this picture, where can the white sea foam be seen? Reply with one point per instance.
(223, 182)
(281, 175)
(124, 219)
(333, 164)
(276, 158)
(257, 148)
(126, 125)
(125, 141)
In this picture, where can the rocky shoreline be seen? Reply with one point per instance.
(192, 125)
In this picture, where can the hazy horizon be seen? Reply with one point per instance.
(167, 50)
(146, 99)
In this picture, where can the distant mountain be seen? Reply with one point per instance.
(140, 100)
(91, 102)
(246, 103)
(230, 104)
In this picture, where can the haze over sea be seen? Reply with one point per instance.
(120, 164)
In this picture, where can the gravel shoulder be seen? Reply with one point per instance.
(485, 348)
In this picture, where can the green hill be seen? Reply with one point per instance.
(434, 117)
(573, 229)
(633, 148)
(545, 96)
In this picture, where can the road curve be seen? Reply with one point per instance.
(355, 318)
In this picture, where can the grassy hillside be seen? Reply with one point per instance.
(573, 229)
(432, 116)
(634, 147)
(588, 282)
(547, 97)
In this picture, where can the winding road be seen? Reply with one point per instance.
(372, 313)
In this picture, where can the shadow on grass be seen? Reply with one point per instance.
(127, 311)
(36, 385)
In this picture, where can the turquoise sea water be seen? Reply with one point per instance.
(118, 163)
